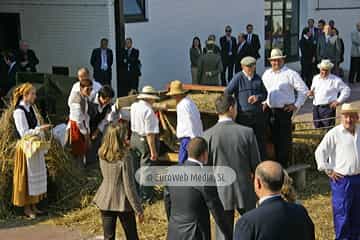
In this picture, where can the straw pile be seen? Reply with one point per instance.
(65, 180)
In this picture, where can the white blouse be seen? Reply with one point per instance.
(21, 123)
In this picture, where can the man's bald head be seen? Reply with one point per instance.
(271, 175)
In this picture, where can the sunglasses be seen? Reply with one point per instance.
(228, 30)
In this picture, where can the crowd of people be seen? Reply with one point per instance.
(125, 140)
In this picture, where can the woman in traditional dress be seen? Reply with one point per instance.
(79, 121)
(30, 177)
(117, 196)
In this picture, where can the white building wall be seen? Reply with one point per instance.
(63, 33)
(345, 21)
(164, 40)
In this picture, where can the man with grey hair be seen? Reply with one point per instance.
(355, 55)
(274, 218)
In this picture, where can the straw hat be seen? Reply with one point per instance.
(349, 108)
(276, 54)
(176, 88)
(148, 92)
(325, 64)
(248, 61)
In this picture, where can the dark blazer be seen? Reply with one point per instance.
(235, 146)
(11, 80)
(224, 45)
(240, 54)
(308, 49)
(132, 61)
(95, 62)
(31, 58)
(189, 212)
(275, 219)
(254, 45)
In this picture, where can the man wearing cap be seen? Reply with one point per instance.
(250, 92)
(228, 51)
(329, 91)
(210, 66)
(281, 84)
(189, 123)
(338, 156)
(145, 128)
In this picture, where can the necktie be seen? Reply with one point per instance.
(249, 38)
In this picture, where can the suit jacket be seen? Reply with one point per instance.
(226, 140)
(132, 62)
(329, 50)
(308, 49)
(30, 57)
(210, 67)
(224, 44)
(95, 61)
(11, 80)
(189, 212)
(355, 46)
(240, 54)
(275, 219)
(117, 191)
(254, 45)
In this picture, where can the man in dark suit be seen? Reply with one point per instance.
(242, 50)
(234, 146)
(132, 66)
(315, 32)
(101, 60)
(308, 56)
(26, 58)
(190, 205)
(253, 40)
(228, 51)
(13, 68)
(274, 218)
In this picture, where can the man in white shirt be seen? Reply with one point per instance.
(83, 73)
(189, 123)
(329, 91)
(338, 156)
(145, 129)
(281, 84)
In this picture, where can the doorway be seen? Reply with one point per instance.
(10, 33)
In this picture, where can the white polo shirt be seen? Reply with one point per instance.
(143, 119)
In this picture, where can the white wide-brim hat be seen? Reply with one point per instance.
(349, 108)
(148, 92)
(276, 53)
(325, 64)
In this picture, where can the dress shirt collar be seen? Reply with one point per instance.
(143, 102)
(195, 161)
(344, 130)
(26, 106)
(224, 119)
(263, 199)
(282, 69)
(247, 76)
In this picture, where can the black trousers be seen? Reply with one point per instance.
(354, 70)
(307, 71)
(323, 112)
(228, 65)
(103, 77)
(256, 121)
(127, 220)
(281, 133)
